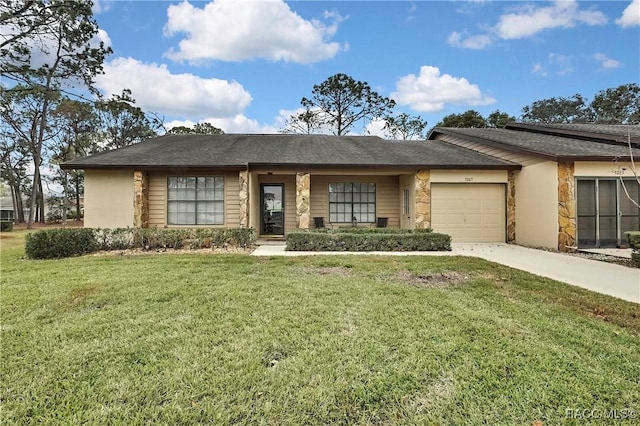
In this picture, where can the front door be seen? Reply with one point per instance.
(272, 212)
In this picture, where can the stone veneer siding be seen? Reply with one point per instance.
(243, 196)
(566, 207)
(303, 196)
(140, 199)
(423, 199)
(511, 206)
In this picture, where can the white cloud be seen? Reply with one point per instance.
(430, 91)
(556, 64)
(156, 89)
(237, 30)
(236, 124)
(101, 36)
(540, 70)
(375, 127)
(530, 19)
(100, 6)
(630, 16)
(606, 62)
(470, 6)
(563, 64)
(282, 121)
(479, 41)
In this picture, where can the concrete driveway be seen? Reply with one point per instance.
(615, 280)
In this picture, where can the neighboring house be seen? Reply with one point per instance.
(478, 185)
(575, 184)
(7, 212)
(6, 209)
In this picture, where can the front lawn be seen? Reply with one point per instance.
(234, 339)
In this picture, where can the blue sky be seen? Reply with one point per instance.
(244, 65)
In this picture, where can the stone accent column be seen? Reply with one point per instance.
(566, 207)
(243, 196)
(511, 206)
(140, 200)
(303, 201)
(423, 199)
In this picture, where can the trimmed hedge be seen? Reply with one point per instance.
(60, 242)
(356, 230)
(6, 226)
(634, 242)
(374, 240)
(66, 242)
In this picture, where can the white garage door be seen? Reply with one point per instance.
(470, 213)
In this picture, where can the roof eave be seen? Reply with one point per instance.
(312, 166)
(601, 137)
(66, 166)
(495, 144)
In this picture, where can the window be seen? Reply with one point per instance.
(406, 202)
(195, 200)
(352, 200)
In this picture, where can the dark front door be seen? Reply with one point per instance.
(272, 215)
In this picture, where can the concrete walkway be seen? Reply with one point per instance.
(615, 280)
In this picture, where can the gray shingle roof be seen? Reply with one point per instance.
(613, 133)
(540, 144)
(236, 151)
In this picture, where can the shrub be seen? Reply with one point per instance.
(65, 242)
(60, 242)
(634, 242)
(114, 239)
(403, 240)
(6, 226)
(194, 238)
(355, 230)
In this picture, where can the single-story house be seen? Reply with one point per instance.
(478, 185)
(577, 186)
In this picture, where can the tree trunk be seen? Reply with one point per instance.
(14, 202)
(36, 151)
(41, 217)
(19, 205)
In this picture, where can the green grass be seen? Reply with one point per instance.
(234, 339)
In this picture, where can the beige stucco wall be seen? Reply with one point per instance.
(108, 198)
(469, 176)
(536, 199)
(537, 205)
(387, 195)
(603, 169)
(158, 198)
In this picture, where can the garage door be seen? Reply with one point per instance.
(470, 213)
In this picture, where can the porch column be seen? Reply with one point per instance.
(140, 199)
(566, 207)
(243, 196)
(423, 199)
(511, 206)
(303, 202)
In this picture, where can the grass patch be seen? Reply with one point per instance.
(233, 339)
